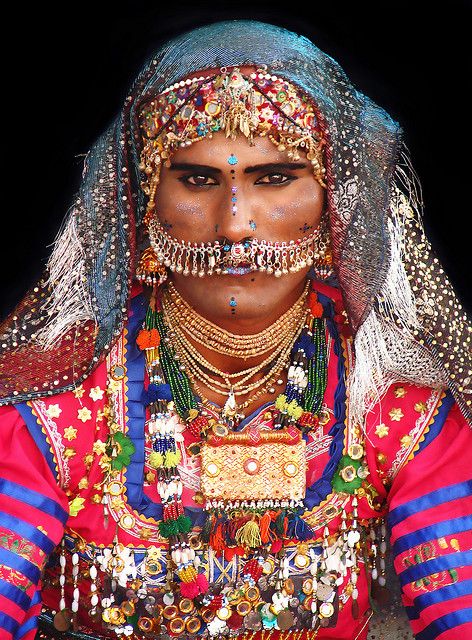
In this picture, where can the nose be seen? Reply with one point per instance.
(235, 214)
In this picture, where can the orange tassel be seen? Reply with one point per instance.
(264, 526)
(216, 539)
(148, 339)
(316, 307)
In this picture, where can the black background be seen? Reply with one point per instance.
(65, 77)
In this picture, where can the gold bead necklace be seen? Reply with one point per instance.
(215, 338)
(184, 324)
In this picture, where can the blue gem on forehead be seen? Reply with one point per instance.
(232, 159)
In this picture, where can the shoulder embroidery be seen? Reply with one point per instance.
(409, 442)
(46, 414)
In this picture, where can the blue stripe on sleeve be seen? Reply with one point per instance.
(31, 623)
(444, 623)
(14, 561)
(15, 594)
(27, 531)
(433, 531)
(33, 499)
(7, 622)
(435, 565)
(448, 592)
(429, 500)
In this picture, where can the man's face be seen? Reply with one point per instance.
(220, 188)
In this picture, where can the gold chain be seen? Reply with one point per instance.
(184, 323)
(202, 331)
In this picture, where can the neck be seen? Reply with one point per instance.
(243, 326)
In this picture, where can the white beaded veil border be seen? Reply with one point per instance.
(407, 321)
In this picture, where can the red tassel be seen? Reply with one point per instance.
(202, 583)
(189, 589)
(276, 546)
(216, 539)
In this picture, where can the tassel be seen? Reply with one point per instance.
(279, 522)
(264, 526)
(202, 582)
(189, 589)
(249, 534)
(216, 539)
(172, 458)
(207, 528)
(184, 523)
(148, 339)
(298, 529)
(155, 460)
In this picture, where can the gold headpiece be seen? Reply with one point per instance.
(259, 104)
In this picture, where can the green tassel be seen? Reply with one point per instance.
(279, 522)
(184, 524)
(168, 528)
(207, 529)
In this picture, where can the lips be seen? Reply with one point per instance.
(240, 270)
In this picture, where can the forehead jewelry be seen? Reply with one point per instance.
(258, 104)
(252, 254)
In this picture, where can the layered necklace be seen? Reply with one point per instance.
(298, 337)
(187, 327)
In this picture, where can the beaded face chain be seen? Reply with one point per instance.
(228, 258)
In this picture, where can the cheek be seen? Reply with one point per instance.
(301, 208)
(178, 211)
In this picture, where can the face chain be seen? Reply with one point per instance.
(229, 258)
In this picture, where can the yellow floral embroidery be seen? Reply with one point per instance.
(99, 447)
(70, 433)
(113, 385)
(399, 392)
(76, 505)
(396, 415)
(406, 441)
(83, 484)
(420, 407)
(381, 430)
(84, 414)
(69, 453)
(96, 393)
(79, 391)
(54, 411)
(88, 459)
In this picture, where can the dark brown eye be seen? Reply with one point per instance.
(198, 180)
(275, 178)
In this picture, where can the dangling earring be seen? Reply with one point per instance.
(322, 267)
(149, 270)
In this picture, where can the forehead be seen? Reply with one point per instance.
(218, 148)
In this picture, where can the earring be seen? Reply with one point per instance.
(150, 270)
(322, 268)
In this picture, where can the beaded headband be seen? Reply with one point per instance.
(259, 104)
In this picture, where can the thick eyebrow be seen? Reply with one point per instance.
(188, 166)
(276, 166)
(271, 166)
